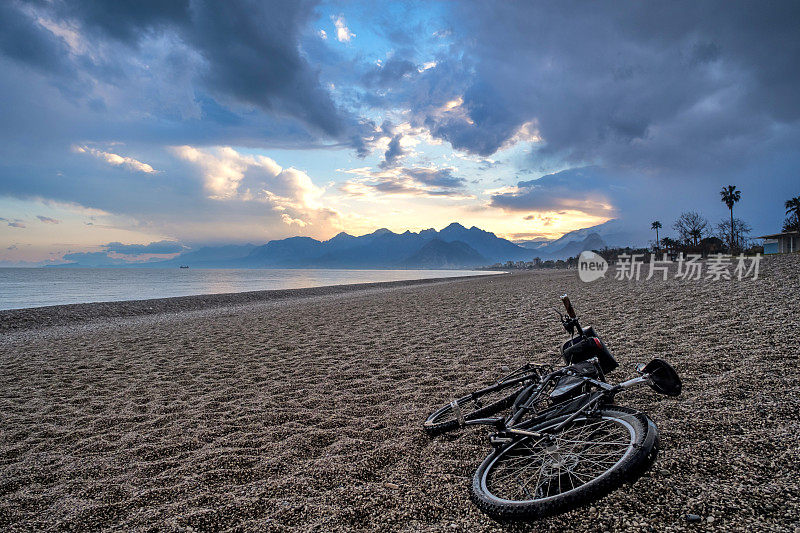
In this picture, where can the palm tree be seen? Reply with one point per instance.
(656, 226)
(793, 209)
(669, 243)
(730, 196)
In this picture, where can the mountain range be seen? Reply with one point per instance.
(453, 247)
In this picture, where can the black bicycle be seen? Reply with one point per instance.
(562, 441)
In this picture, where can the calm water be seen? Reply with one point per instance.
(34, 287)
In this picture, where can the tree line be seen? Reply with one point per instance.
(695, 234)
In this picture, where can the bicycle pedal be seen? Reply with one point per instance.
(500, 441)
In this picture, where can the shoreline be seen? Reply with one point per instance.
(28, 318)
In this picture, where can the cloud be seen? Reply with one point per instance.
(222, 170)
(676, 87)
(442, 177)
(394, 152)
(116, 160)
(229, 175)
(343, 33)
(48, 220)
(159, 247)
(22, 39)
(415, 181)
(15, 223)
(256, 180)
(586, 190)
(288, 220)
(92, 259)
(389, 72)
(219, 59)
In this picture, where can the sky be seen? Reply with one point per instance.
(137, 130)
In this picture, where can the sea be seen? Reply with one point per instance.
(35, 287)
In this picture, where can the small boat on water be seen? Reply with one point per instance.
(184, 266)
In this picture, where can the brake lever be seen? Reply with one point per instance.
(567, 323)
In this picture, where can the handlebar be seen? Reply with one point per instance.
(568, 306)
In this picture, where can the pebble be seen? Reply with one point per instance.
(693, 518)
(392, 486)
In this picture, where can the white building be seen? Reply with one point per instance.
(781, 243)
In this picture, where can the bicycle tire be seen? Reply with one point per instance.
(532, 458)
(446, 418)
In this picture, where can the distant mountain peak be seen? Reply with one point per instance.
(381, 231)
(454, 225)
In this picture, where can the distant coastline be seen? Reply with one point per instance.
(67, 314)
(38, 287)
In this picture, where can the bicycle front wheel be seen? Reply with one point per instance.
(480, 404)
(586, 459)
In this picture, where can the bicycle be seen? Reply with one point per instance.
(564, 442)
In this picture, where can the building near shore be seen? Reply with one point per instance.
(781, 243)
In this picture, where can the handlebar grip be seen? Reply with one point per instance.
(568, 306)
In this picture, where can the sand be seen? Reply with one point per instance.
(305, 411)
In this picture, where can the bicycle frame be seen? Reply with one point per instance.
(510, 379)
(584, 403)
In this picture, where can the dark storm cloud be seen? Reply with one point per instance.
(660, 85)
(250, 50)
(491, 122)
(589, 190)
(23, 39)
(159, 247)
(126, 19)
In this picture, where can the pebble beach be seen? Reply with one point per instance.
(302, 410)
